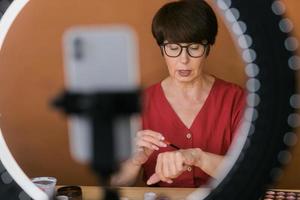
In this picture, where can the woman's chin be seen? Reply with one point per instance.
(184, 79)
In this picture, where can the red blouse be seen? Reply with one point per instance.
(212, 130)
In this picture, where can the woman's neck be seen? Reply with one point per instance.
(188, 90)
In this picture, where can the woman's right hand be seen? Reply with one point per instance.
(146, 142)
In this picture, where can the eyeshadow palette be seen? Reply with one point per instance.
(281, 195)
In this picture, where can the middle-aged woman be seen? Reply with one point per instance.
(194, 110)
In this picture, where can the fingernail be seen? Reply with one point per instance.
(149, 183)
(162, 138)
(155, 147)
(163, 144)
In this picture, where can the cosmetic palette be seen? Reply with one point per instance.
(281, 195)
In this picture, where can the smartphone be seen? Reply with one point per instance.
(100, 59)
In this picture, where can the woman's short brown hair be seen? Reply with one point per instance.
(185, 21)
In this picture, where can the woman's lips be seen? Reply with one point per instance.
(184, 73)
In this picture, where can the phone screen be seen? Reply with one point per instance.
(100, 59)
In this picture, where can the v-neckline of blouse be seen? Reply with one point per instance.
(176, 116)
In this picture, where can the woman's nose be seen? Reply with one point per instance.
(184, 56)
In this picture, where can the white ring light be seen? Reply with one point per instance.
(6, 157)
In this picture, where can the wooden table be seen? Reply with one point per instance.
(137, 193)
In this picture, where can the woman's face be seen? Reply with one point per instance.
(184, 68)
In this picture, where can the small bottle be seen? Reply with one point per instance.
(150, 196)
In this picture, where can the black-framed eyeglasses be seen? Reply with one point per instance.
(194, 50)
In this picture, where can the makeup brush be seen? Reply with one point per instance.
(172, 145)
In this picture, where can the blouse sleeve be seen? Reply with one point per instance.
(238, 109)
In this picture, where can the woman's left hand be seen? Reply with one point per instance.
(170, 165)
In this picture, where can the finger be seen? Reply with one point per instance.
(165, 165)
(146, 144)
(150, 137)
(154, 141)
(169, 181)
(158, 168)
(153, 179)
(179, 161)
(154, 134)
(172, 165)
